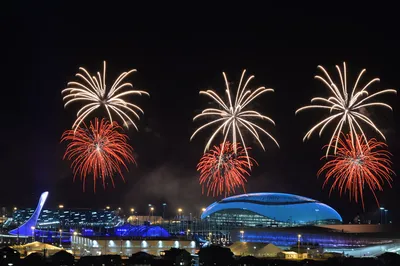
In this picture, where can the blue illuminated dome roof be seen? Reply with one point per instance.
(277, 206)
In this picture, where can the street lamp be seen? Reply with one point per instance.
(60, 207)
(164, 206)
(15, 208)
(298, 244)
(75, 234)
(202, 210)
(386, 211)
(180, 218)
(107, 207)
(60, 236)
(132, 212)
(241, 234)
(33, 233)
(381, 211)
(151, 213)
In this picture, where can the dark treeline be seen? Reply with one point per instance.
(209, 256)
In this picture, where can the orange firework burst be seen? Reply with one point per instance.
(99, 149)
(222, 171)
(357, 164)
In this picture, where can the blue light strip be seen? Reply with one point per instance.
(323, 240)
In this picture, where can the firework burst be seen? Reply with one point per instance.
(93, 92)
(345, 106)
(99, 149)
(233, 116)
(356, 166)
(224, 168)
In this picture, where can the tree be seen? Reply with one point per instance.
(62, 258)
(215, 256)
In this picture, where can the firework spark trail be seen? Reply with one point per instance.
(99, 149)
(345, 107)
(353, 167)
(93, 91)
(232, 117)
(222, 170)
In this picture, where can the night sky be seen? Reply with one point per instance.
(177, 52)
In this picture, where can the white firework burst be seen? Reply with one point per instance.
(345, 107)
(93, 92)
(233, 116)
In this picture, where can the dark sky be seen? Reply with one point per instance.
(178, 51)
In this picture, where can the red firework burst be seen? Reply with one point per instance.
(356, 165)
(222, 172)
(99, 149)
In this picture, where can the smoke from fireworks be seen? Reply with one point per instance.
(345, 107)
(356, 166)
(93, 91)
(233, 117)
(224, 168)
(99, 149)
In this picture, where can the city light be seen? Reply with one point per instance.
(15, 208)
(61, 206)
(132, 210)
(203, 209)
(107, 207)
(179, 210)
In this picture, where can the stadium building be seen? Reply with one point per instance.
(74, 218)
(269, 210)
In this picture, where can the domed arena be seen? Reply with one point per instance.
(270, 210)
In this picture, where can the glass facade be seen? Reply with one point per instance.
(234, 218)
(69, 218)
